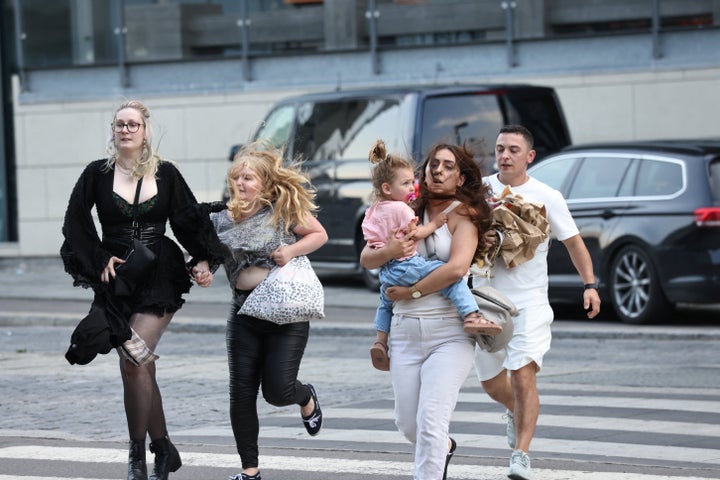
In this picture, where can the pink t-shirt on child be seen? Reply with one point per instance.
(384, 217)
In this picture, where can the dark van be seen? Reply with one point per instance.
(332, 134)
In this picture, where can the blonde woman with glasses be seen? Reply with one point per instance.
(135, 192)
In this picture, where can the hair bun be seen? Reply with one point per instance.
(378, 152)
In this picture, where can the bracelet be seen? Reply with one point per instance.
(588, 286)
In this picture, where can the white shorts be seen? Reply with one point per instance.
(530, 342)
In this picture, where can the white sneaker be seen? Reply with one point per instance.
(510, 429)
(519, 466)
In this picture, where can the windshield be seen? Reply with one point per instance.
(472, 118)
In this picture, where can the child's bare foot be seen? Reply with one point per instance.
(379, 356)
(476, 324)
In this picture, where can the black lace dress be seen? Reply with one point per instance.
(85, 254)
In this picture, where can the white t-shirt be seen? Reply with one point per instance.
(527, 284)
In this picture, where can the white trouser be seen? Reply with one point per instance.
(430, 360)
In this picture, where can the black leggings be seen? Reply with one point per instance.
(261, 352)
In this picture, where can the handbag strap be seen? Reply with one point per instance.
(135, 224)
(430, 239)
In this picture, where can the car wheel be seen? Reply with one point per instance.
(635, 289)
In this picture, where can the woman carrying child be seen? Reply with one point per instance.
(393, 180)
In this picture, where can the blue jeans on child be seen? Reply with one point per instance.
(405, 273)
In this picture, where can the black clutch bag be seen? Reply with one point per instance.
(139, 261)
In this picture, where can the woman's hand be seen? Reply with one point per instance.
(109, 270)
(282, 255)
(401, 247)
(201, 274)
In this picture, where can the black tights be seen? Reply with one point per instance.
(143, 403)
(262, 352)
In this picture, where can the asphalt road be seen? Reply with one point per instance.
(619, 408)
(619, 402)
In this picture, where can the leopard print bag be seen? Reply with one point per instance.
(289, 294)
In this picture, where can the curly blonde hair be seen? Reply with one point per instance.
(148, 162)
(285, 188)
(385, 167)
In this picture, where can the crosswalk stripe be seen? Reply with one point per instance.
(541, 446)
(612, 414)
(15, 477)
(550, 420)
(649, 403)
(379, 468)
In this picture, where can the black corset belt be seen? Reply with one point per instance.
(147, 233)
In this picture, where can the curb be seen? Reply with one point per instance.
(576, 330)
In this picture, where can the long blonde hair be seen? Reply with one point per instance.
(285, 188)
(148, 162)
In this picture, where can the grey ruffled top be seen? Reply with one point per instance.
(250, 241)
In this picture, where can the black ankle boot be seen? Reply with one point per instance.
(167, 458)
(137, 468)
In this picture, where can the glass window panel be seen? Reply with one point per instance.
(47, 28)
(344, 130)
(628, 184)
(68, 32)
(656, 177)
(471, 118)
(599, 177)
(555, 172)
(368, 121)
(278, 126)
(715, 179)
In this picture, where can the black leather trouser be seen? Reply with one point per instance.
(267, 354)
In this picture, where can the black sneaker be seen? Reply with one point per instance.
(313, 423)
(243, 476)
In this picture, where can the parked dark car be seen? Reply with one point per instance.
(332, 134)
(649, 213)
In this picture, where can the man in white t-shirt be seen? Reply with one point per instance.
(527, 286)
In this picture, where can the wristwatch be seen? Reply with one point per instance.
(415, 292)
(588, 286)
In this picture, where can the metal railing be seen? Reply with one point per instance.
(174, 31)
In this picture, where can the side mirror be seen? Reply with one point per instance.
(233, 151)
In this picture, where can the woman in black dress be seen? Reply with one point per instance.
(148, 307)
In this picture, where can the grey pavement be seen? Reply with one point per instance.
(619, 395)
(43, 278)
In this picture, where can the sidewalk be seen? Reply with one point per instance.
(44, 278)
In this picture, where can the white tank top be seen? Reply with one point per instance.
(434, 304)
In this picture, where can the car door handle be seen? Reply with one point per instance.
(607, 214)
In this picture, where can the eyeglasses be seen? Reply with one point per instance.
(132, 126)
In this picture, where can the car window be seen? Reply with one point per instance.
(554, 172)
(599, 177)
(628, 184)
(471, 118)
(540, 113)
(656, 177)
(278, 125)
(345, 129)
(715, 179)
